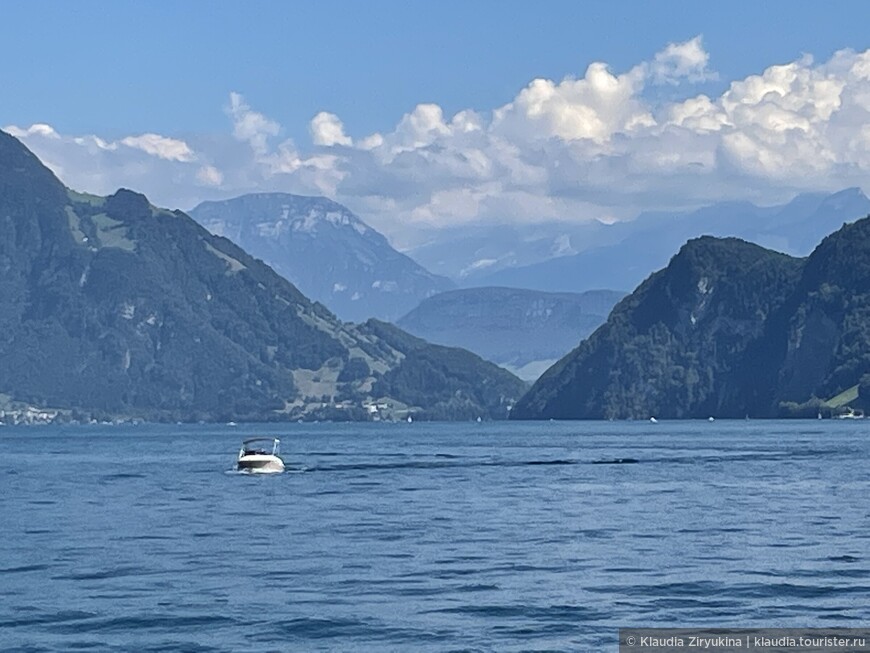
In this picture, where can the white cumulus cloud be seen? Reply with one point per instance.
(209, 176)
(592, 108)
(170, 149)
(36, 129)
(249, 126)
(327, 130)
(682, 61)
(602, 145)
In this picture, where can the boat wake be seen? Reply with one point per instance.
(259, 472)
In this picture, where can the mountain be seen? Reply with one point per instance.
(727, 329)
(623, 254)
(818, 345)
(326, 251)
(609, 267)
(451, 383)
(469, 254)
(524, 331)
(671, 349)
(113, 307)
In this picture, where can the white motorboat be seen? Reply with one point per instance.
(260, 456)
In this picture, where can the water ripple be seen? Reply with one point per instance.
(432, 538)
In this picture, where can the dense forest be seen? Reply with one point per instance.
(726, 329)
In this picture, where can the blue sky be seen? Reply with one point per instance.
(112, 71)
(115, 67)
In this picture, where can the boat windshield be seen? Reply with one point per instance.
(263, 446)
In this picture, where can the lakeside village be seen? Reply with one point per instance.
(13, 413)
(30, 416)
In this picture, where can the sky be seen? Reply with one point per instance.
(427, 115)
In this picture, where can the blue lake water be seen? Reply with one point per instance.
(428, 537)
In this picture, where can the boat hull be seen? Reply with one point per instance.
(260, 464)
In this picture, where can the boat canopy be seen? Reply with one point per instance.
(250, 445)
(260, 440)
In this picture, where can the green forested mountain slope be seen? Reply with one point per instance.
(115, 307)
(727, 329)
(818, 344)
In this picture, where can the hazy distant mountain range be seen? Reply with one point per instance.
(470, 254)
(727, 329)
(524, 331)
(335, 258)
(110, 306)
(561, 257)
(646, 244)
(326, 251)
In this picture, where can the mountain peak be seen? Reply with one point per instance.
(22, 172)
(843, 199)
(128, 203)
(670, 348)
(852, 191)
(324, 249)
(718, 256)
(11, 148)
(276, 213)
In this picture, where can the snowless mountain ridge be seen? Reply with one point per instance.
(326, 251)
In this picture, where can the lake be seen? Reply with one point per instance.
(428, 537)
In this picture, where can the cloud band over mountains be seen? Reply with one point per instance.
(602, 146)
